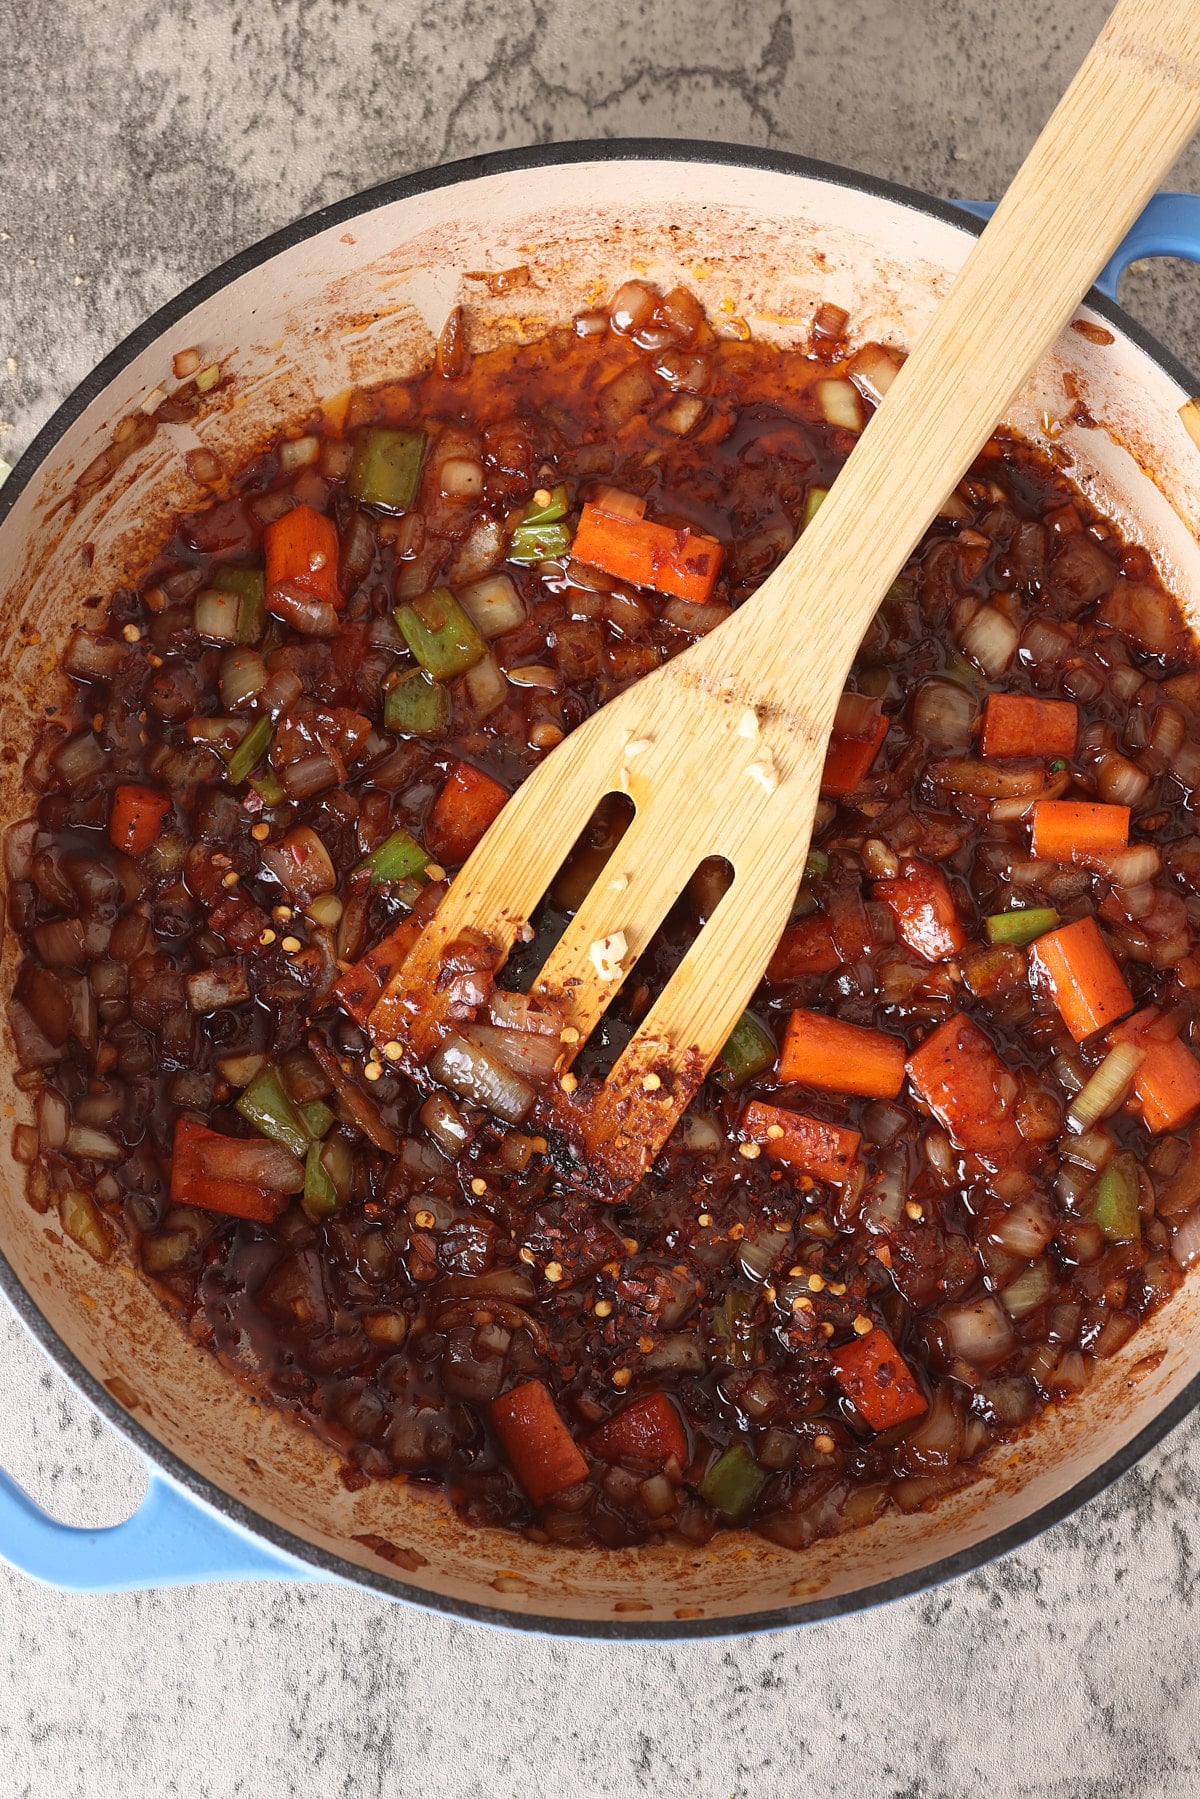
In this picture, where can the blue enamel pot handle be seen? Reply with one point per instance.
(174, 1539)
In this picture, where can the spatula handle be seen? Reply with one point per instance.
(1129, 112)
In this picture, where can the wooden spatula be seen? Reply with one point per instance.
(721, 750)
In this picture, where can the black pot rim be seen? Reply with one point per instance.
(625, 1629)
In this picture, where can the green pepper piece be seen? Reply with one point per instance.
(269, 788)
(1116, 1207)
(265, 1104)
(440, 635)
(549, 514)
(398, 858)
(385, 467)
(965, 673)
(316, 1118)
(320, 1195)
(417, 706)
(816, 864)
(535, 542)
(813, 502)
(1021, 925)
(733, 1483)
(250, 586)
(750, 1049)
(250, 751)
(733, 1335)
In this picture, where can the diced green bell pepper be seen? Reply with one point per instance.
(440, 635)
(750, 1049)
(552, 512)
(398, 858)
(417, 706)
(1021, 925)
(316, 1118)
(733, 1483)
(817, 864)
(813, 502)
(386, 467)
(266, 1105)
(1116, 1207)
(269, 788)
(539, 543)
(249, 584)
(250, 751)
(320, 1194)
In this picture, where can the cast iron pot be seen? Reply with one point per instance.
(353, 295)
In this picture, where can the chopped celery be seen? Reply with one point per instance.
(250, 751)
(398, 858)
(1116, 1208)
(337, 1159)
(269, 788)
(249, 584)
(265, 1104)
(817, 864)
(814, 500)
(417, 706)
(1022, 925)
(440, 635)
(733, 1335)
(320, 1194)
(750, 1049)
(533, 542)
(316, 1118)
(385, 467)
(965, 673)
(549, 514)
(733, 1483)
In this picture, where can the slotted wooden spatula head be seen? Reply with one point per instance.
(721, 751)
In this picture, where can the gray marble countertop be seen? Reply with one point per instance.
(141, 146)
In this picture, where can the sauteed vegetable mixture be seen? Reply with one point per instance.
(947, 1159)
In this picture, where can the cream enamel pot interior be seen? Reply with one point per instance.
(357, 295)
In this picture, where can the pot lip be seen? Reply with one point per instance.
(634, 149)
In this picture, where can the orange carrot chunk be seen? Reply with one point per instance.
(878, 1381)
(462, 812)
(926, 915)
(859, 728)
(826, 1151)
(646, 1434)
(1167, 1083)
(1074, 830)
(137, 817)
(966, 1086)
(540, 1449)
(302, 552)
(841, 1058)
(360, 986)
(1076, 967)
(1016, 726)
(208, 1170)
(669, 559)
(806, 947)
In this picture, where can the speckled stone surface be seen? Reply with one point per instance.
(142, 145)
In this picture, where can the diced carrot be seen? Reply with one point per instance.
(137, 817)
(647, 1434)
(806, 947)
(826, 1151)
(302, 551)
(841, 1058)
(1077, 967)
(462, 812)
(966, 1086)
(540, 1449)
(1014, 725)
(859, 728)
(926, 915)
(671, 560)
(198, 1156)
(1167, 1083)
(878, 1381)
(360, 986)
(1074, 830)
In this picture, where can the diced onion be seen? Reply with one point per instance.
(474, 1073)
(1132, 867)
(93, 1145)
(632, 307)
(1185, 1244)
(1025, 1229)
(991, 639)
(1119, 781)
(486, 685)
(840, 403)
(298, 453)
(300, 863)
(1106, 1088)
(243, 676)
(683, 415)
(79, 759)
(1029, 1291)
(493, 605)
(481, 551)
(216, 615)
(943, 713)
(873, 369)
(530, 1054)
(696, 617)
(461, 478)
(979, 1332)
(445, 1124)
(93, 658)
